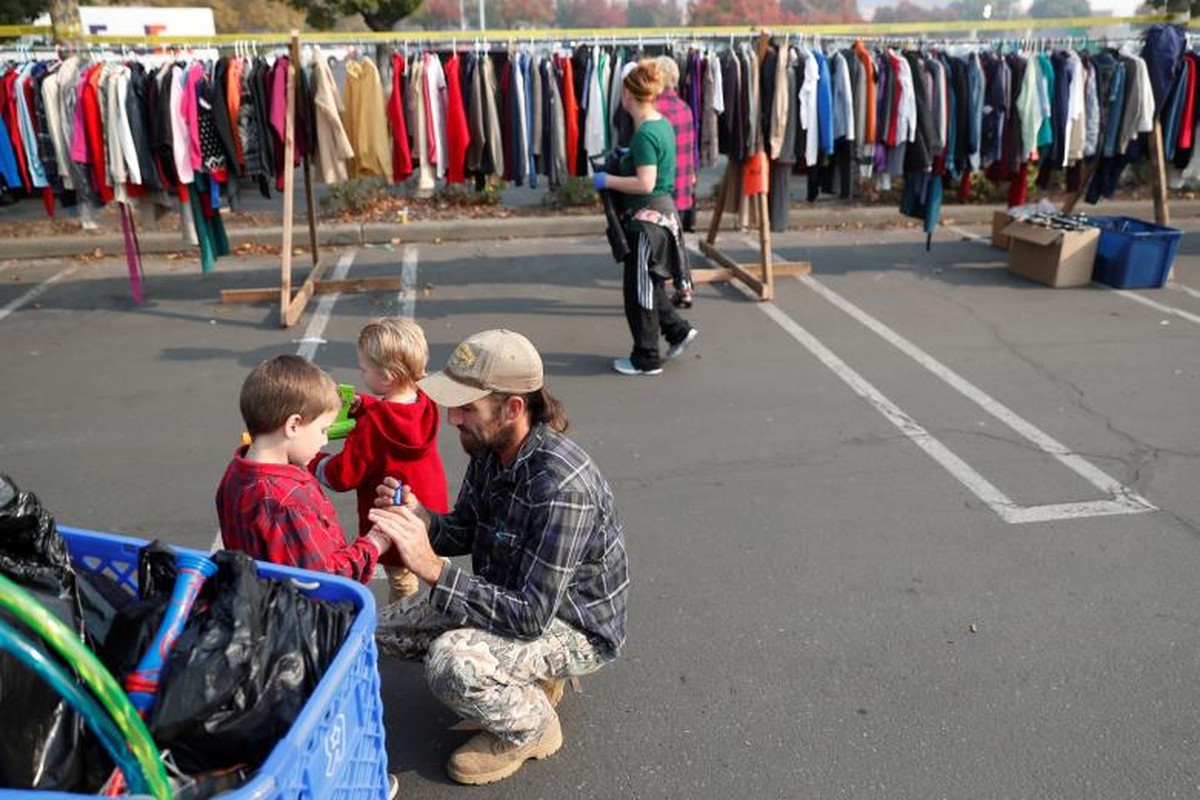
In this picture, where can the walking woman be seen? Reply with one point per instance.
(645, 187)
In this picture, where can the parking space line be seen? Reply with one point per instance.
(36, 291)
(408, 282)
(1121, 500)
(316, 326)
(1166, 309)
(1181, 288)
(1124, 500)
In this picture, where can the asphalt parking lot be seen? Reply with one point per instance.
(918, 528)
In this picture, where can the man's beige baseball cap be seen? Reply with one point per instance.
(491, 361)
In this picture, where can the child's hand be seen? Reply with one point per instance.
(355, 406)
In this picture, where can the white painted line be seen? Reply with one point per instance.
(1122, 496)
(1122, 500)
(1146, 301)
(1179, 287)
(316, 326)
(974, 237)
(36, 291)
(408, 282)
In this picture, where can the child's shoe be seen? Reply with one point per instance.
(402, 583)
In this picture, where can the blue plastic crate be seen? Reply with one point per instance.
(336, 747)
(1133, 254)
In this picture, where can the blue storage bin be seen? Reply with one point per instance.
(336, 746)
(1134, 254)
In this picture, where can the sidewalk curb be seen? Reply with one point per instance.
(436, 231)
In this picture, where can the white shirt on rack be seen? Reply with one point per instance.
(808, 106)
(435, 84)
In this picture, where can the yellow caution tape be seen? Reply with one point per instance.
(601, 35)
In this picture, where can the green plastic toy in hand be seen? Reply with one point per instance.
(342, 424)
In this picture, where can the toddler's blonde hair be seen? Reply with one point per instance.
(396, 346)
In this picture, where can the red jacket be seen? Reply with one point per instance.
(397, 440)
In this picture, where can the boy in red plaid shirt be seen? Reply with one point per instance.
(268, 504)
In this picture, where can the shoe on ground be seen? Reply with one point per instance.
(393, 787)
(625, 367)
(402, 583)
(554, 688)
(676, 350)
(486, 758)
(682, 298)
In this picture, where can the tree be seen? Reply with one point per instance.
(22, 12)
(380, 15)
(1045, 9)
(1170, 7)
(517, 14)
(589, 14)
(653, 14)
(441, 15)
(906, 11)
(820, 12)
(736, 12)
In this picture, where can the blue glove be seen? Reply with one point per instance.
(599, 180)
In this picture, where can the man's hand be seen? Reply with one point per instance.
(410, 537)
(385, 497)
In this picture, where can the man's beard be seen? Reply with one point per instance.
(494, 441)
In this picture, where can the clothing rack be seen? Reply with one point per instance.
(291, 306)
(759, 277)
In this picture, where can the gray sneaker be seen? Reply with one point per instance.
(625, 367)
(676, 350)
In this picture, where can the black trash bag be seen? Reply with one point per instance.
(244, 667)
(40, 735)
(135, 624)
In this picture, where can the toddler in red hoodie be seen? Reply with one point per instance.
(394, 435)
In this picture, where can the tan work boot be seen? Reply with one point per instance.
(402, 583)
(487, 758)
(554, 688)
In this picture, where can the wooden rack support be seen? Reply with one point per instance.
(291, 307)
(759, 278)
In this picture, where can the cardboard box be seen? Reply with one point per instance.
(1049, 256)
(1000, 221)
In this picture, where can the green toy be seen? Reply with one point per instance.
(342, 425)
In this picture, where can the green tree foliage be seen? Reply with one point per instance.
(518, 14)
(379, 15)
(653, 14)
(443, 15)
(21, 12)
(1045, 9)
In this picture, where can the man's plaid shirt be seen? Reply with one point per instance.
(545, 541)
(677, 112)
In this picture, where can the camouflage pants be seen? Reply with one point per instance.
(484, 677)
